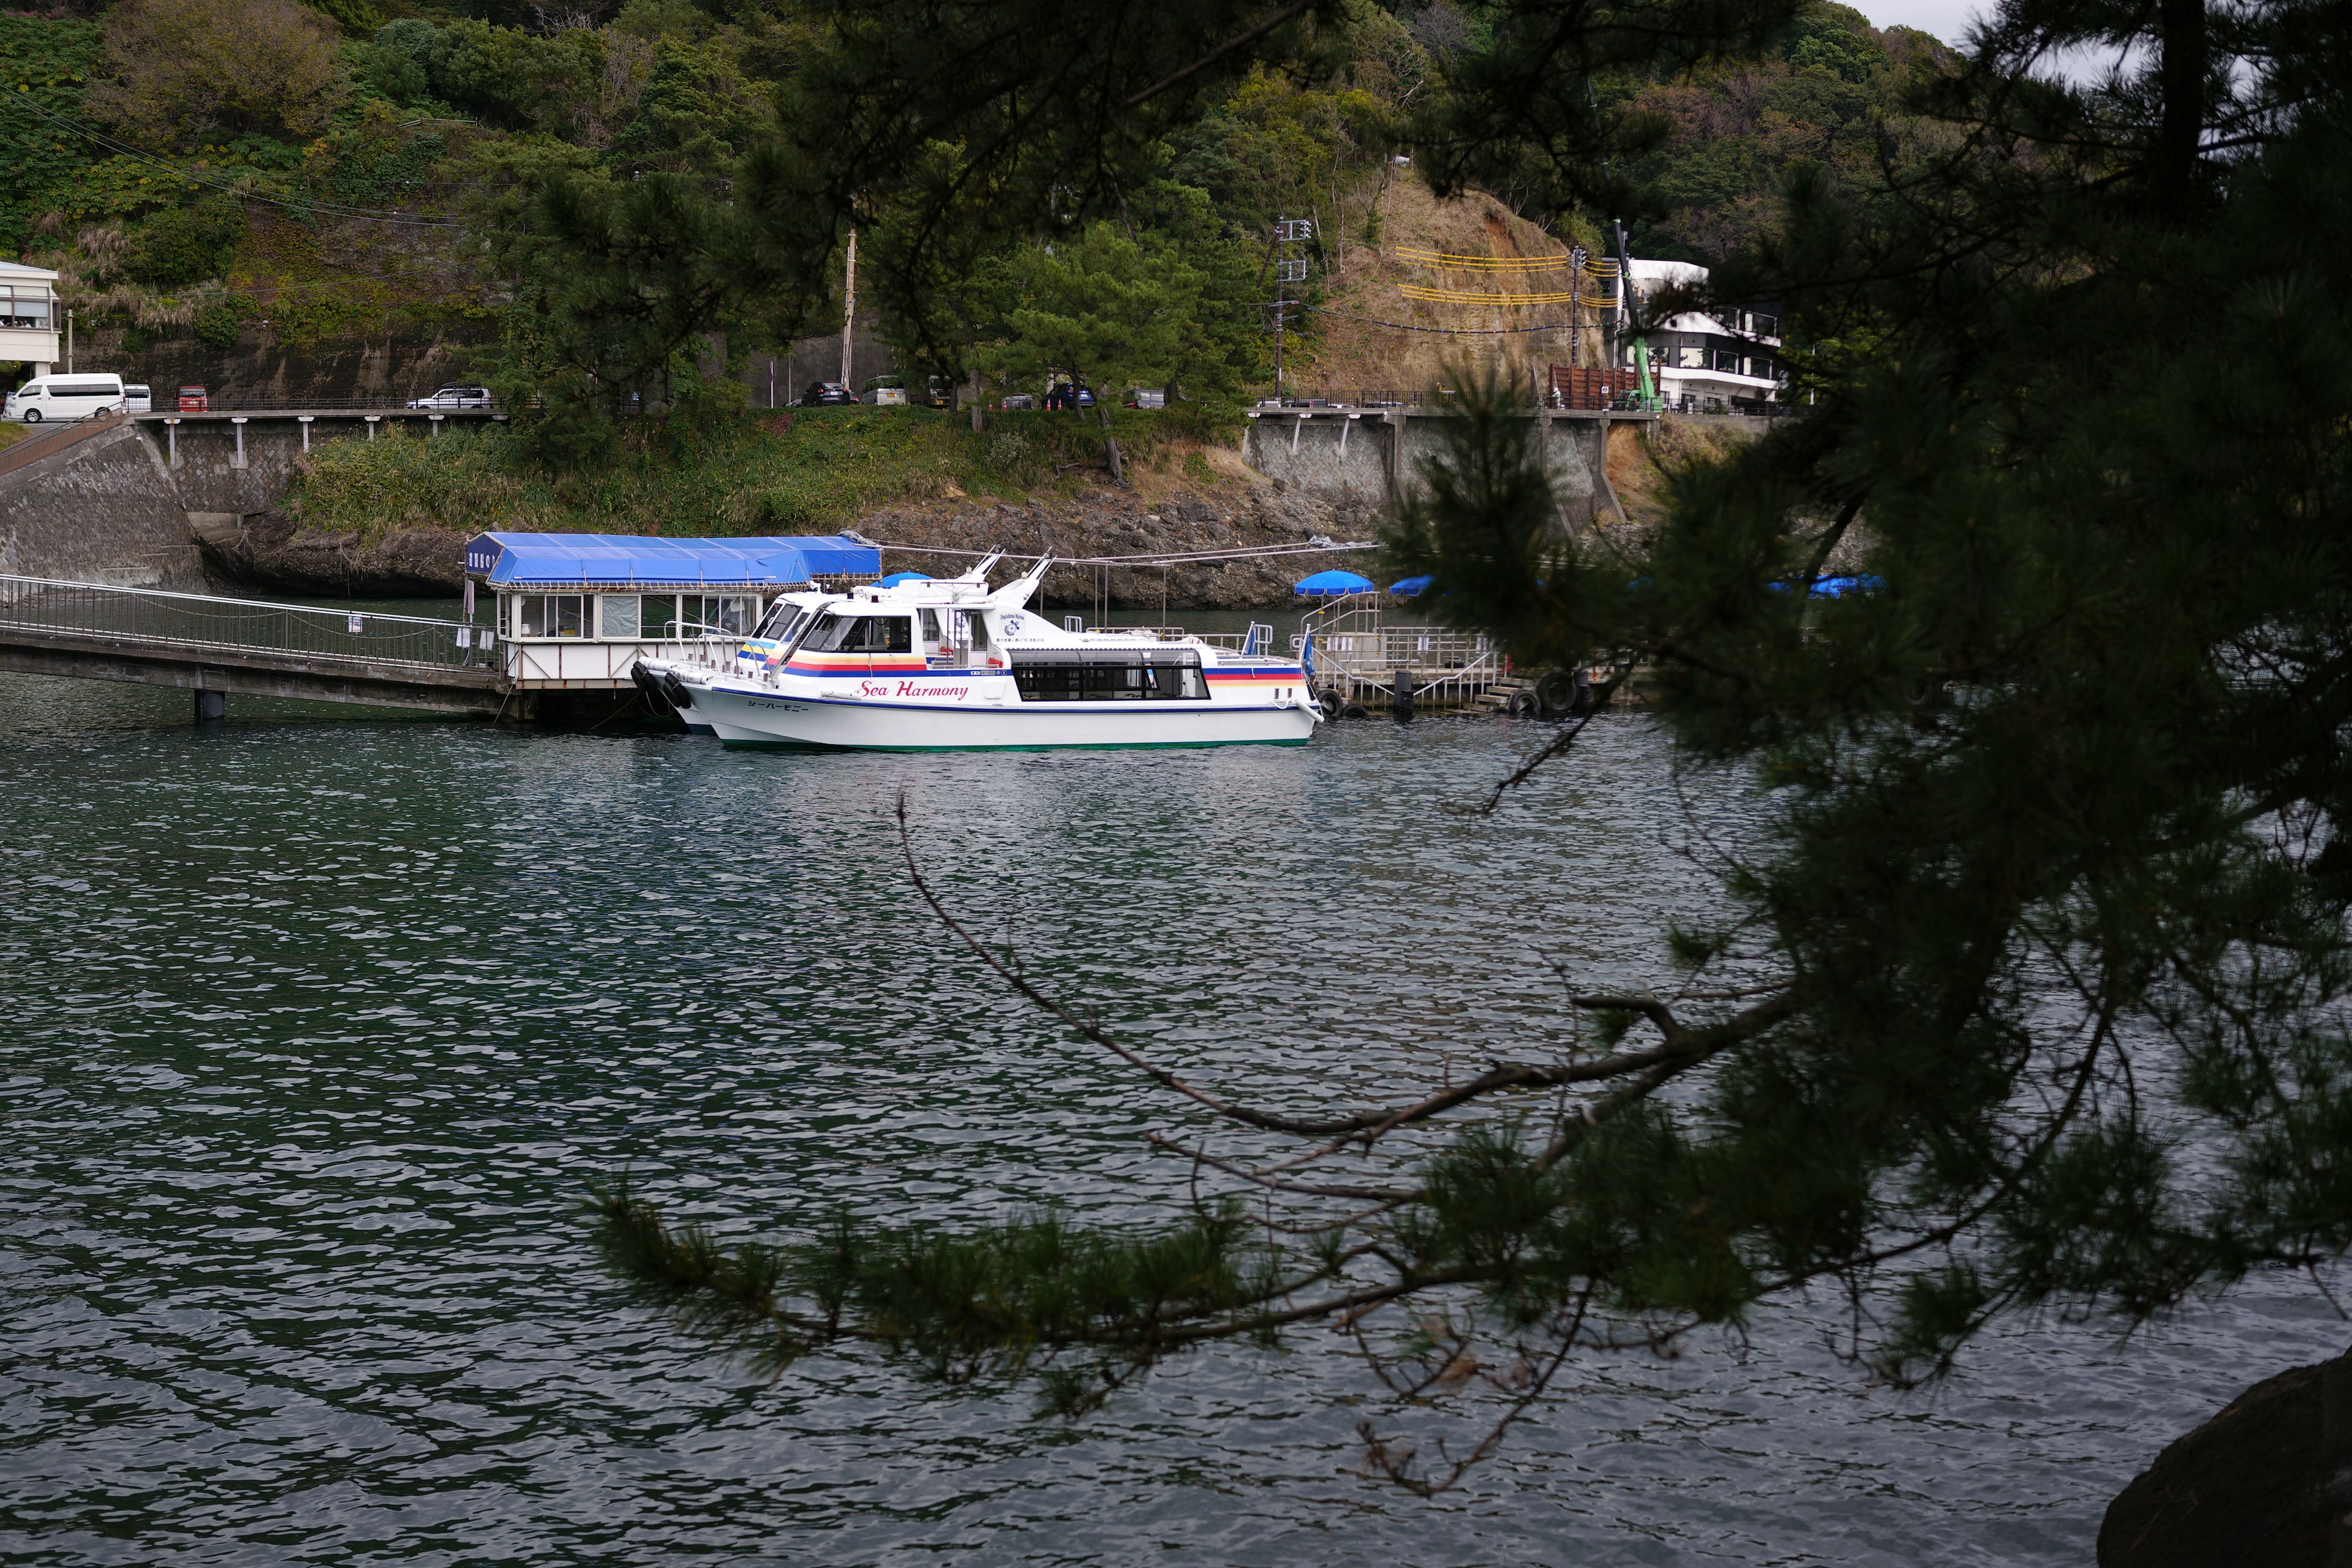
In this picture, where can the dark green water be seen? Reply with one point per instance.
(316, 1023)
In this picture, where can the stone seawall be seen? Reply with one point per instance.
(197, 505)
(104, 509)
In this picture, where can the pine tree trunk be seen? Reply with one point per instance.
(1111, 446)
(2182, 132)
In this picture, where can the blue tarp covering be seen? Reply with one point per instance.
(641, 560)
(1324, 583)
(895, 578)
(1411, 588)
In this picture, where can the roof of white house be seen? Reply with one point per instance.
(1649, 275)
(17, 272)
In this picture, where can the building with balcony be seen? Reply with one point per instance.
(28, 316)
(1703, 360)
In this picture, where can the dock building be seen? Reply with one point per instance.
(575, 610)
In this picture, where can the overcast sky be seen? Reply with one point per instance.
(1948, 20)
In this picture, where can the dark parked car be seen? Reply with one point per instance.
(1067, 397)
(827, 394)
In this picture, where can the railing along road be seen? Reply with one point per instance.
(200, 621)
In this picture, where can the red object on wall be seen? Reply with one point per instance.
(1581, 387)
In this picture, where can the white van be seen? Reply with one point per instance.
(50, 399)
(137, 399)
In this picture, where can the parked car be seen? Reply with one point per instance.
(137, 399)
(887, 392)
(938, 391)
(1018, 400)
(52, 398)
(1147, 397)
(825, 394)
(1065, 396)
(195, 400)
(455, 397)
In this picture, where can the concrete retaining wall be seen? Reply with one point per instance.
(1378, 459)
(102, 511)
(134, 506)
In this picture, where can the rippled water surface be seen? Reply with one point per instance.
(316, 1023)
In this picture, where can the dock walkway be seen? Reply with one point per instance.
(214, 646)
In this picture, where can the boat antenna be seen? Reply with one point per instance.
(1016, 593)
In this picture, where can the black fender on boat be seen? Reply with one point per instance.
(675, 691)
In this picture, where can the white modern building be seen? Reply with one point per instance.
(28, 316)
(1703, 360)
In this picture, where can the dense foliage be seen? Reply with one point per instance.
(617, 204)
(2031, 993)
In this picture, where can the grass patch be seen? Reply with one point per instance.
(796, 471)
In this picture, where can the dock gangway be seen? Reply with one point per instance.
(1356, 652)
(214, 646)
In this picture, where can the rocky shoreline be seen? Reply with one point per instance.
(275, 551)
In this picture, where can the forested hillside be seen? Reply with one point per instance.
(245, 175)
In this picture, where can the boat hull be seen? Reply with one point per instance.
(750, 718)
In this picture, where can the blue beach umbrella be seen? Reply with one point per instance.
(1411, 586)
(1332, 584)
(895, 578)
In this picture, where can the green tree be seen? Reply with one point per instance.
(2036, 992)
(190, 70)
(1110, 312)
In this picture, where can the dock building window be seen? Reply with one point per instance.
(616, 617)
(666, 617)
(1110, 678)
(549, 614)
(719, 615)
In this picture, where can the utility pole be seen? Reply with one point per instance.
(1288, 270)
(848, 306)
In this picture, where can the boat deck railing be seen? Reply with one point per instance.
(197, 622)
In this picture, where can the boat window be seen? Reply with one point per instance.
(772, 624)
(826, 636)
(978, 628)
(1109, 677)
(879, 634)
(931, 627)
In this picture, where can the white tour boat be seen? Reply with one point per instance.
(948, 665)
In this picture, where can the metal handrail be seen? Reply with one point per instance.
(202, 621)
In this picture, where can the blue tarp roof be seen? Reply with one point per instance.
(1409, 587)
(1333, 582)
(895, 578)
(641, 560)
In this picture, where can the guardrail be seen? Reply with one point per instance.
(242, 402)
(202, 622)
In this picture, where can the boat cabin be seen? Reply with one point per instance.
(574, 611)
